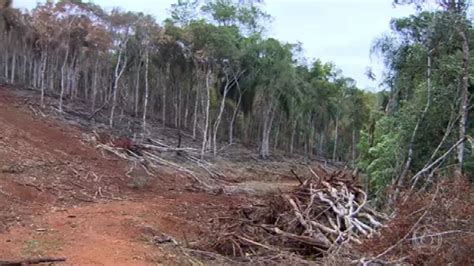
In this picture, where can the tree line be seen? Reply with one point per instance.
(207, 70)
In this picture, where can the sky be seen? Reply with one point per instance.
(338, 31)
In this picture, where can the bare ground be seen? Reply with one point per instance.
(59, 196)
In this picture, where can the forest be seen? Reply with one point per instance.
(211, 73)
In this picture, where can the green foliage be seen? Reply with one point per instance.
(381, 160)
(385, 143)
(184, 11)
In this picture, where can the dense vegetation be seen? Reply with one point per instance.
(422, 129)
(209, 70)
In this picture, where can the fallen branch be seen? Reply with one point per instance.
(297, 177)
(32, 261)
(441, 158)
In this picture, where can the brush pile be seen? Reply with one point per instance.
(154, 154)
(327, 211)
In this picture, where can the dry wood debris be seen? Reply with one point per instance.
(187, 161)
(327, 211)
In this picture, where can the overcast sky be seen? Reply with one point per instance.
(340, 31)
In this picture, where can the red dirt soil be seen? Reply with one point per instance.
(59, 196)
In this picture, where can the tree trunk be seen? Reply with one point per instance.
(164, 96)
(12, 78)
(321, 144)
(177, 99)
(353, 144)
(63, 81)
(464, 100)
(6, 63)
(236, 109)
(118, 73)
(86, 78)
(195, 116)
(72, 77)
(145, 102)
(334, 152)
(219, 116)
(35, 73)
(31, 70)
(293, 134)
(266, 131)
(206, 119)
(137, 88)
(277, 135)
(94, 83)
(52, 74)
(186, 109)
(234, 117)
(310, 138)
(24, 68)
(43, 77)
(6, 60)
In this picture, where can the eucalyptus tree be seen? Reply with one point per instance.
(275, 62)
(143, 44)
(47, 28)
(120, 26)
(228, 52)
(16, 35)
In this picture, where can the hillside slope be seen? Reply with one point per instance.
(59, 196)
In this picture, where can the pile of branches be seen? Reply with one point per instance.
(153, 154)
(327, 211)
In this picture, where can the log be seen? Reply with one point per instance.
(31, 261)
